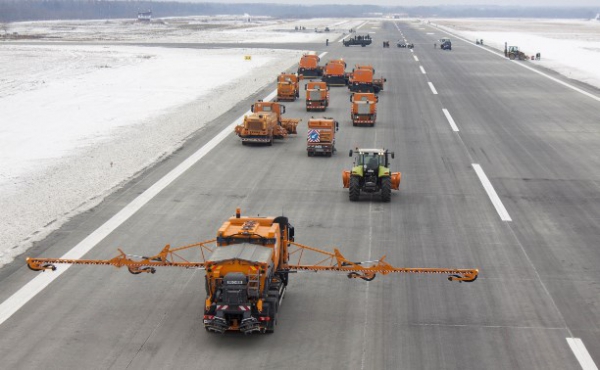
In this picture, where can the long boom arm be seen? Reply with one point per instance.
(336, 262)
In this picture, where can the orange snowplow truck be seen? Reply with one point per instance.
(288, 86)
(321, 136)
(247, 270)
(317, 96)
(265, 124)
(361, 80)
(364, 109)
(309, 65)
(335, 73)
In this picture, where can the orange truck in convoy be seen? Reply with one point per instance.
(317, 96)
(247, 268)
(361, 80)
(288, 86)
(321, 136)
(309, 65)
(265, 124)
(335, 73)
(364, 109)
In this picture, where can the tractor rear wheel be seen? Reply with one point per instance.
(386, 189)
(354, 188)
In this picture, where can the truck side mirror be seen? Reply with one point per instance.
(281, 109)
(351, 98)
(337, 125)
(252, 108)
(350, 154)
(377, 99)
(392, 155)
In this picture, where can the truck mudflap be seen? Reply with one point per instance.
(346, 179)
(396, 177)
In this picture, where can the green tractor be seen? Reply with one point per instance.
(370, 174)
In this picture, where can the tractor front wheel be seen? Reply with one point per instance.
(386, 189)
(354, 188)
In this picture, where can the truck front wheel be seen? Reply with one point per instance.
(354, 188)
(386, 189)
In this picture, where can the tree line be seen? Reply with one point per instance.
(30, 10)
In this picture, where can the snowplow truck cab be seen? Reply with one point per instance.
(265, 124)
(317, 96)
(335, 73)
(363, 109)
(245, 281)
(309, 65)
(371, 174)
(362, 80)
(321, 136)
(288, 86)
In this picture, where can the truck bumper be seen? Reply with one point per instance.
(260, 139)
(320, 149)
(315, 106)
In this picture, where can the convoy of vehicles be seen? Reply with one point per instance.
(317, 96)
(248, 264)
(320, 138)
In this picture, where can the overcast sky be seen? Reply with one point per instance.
(542, 3)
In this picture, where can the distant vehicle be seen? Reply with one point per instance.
(445, 44)
(401, 44)
(358, 40)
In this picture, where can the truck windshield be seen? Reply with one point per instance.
(371, 160)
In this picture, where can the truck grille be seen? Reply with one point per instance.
(254, 126)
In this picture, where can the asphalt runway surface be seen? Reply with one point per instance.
(454, 119)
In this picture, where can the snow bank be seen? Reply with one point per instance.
(80, 120)
(224, 29)
(570, 47)
(77, 121)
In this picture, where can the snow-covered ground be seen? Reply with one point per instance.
(79, 119)
(570, 47)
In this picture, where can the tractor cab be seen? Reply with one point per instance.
(371, 160)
